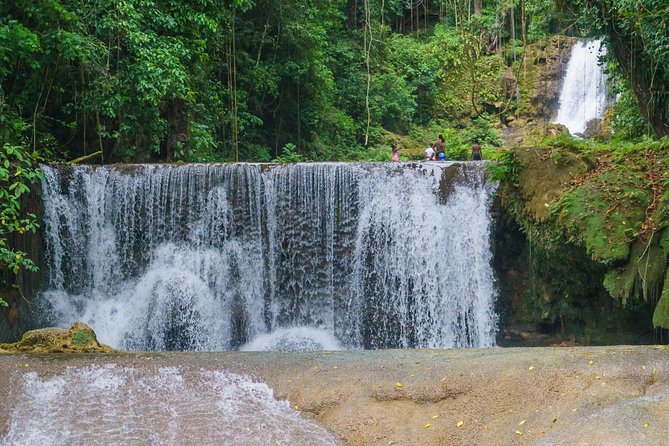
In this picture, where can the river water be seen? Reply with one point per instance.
(113, 404)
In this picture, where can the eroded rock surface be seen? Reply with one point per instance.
(80, 338)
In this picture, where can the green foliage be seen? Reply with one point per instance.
(482, 132)
(149, 80)
(289, 155)
(542, 14)
(456, 149)
(626, 118)
(505, 168)
(18, 170)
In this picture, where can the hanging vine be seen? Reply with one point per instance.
(368, 51)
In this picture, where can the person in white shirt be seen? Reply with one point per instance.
(429, 153)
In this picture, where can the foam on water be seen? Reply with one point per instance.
(584, 94)
(209, 257)
(119, 405)
(293, 339)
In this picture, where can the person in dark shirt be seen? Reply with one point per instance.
(439, 148)
(476, 153)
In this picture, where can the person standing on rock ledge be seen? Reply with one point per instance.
(396, 155)
(439, 147)
(476, 153)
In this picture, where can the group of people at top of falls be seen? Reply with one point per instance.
(437, 151)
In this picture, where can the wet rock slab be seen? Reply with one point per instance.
(540, 396)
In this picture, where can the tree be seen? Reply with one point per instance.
(17, 172)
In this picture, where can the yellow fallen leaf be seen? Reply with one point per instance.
(522, 422)
(412, 375)
(574, 409)
(434, 417)
(26, 365)
(519, 433)
(645, 425)
(598, 377)
(398, 384)
(590, 362)
(428, 425)
(460, 423)
(531, 368)
(297, 407)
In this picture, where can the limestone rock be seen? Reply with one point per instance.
(80, 338)
(596, 128)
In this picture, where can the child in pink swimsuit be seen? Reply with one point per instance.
(396, 156)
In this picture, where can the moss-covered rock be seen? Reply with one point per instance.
(642, 276)
(80, 338)
(605, 214)
(544, 178)
(612, 204)
(661, 313)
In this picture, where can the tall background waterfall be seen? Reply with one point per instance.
(584, 94)
(216, 257)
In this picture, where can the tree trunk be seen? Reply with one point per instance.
(513, 29)
(653, 96)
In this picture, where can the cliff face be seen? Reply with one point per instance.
(589, 228)
(535, 81)
(545, 63)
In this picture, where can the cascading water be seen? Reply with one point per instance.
(584, 94)
(209, 257)
(164, 406)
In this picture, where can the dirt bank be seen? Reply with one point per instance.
(541, 396)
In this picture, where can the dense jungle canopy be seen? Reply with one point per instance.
(251, 80)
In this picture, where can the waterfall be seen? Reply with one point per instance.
(211, 257)
(584, 94)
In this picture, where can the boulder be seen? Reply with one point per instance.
(80, 338)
